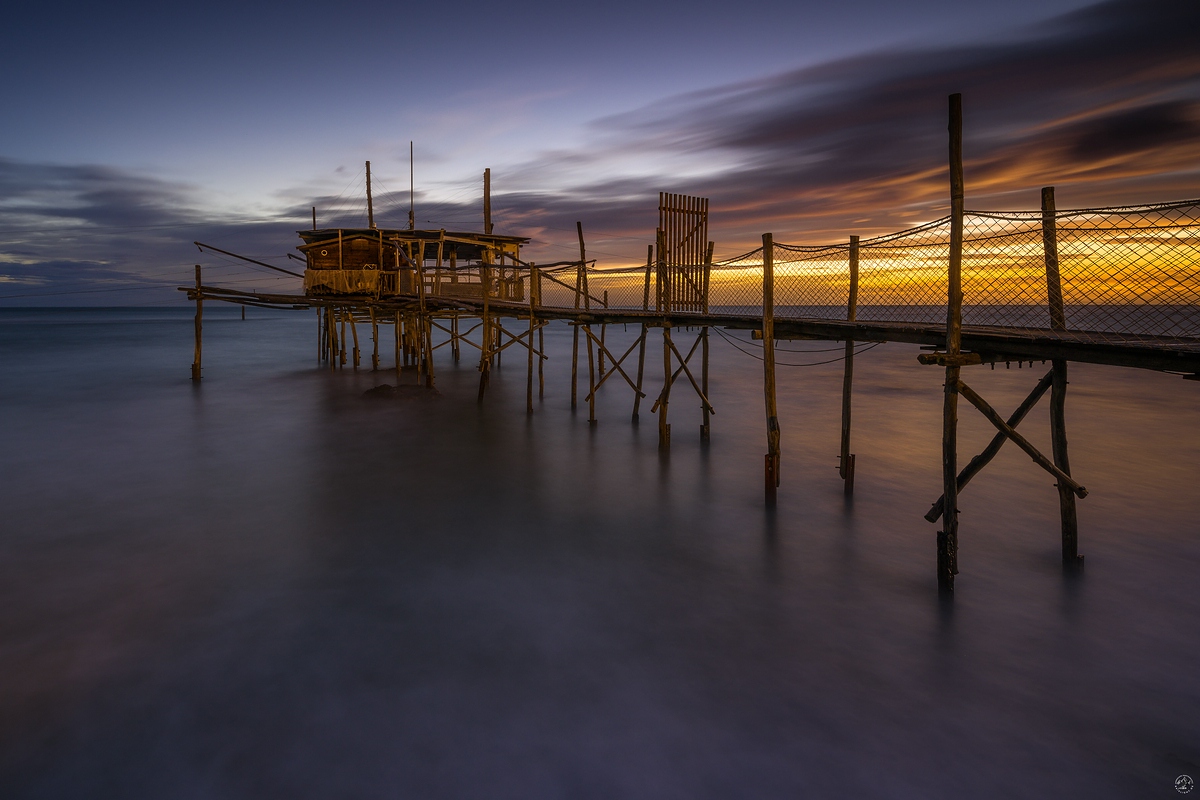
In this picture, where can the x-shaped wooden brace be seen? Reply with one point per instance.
(1007, 430)
(616, 363)
(462, 337)
(517, 339)
(683, 369)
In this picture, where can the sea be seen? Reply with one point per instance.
(296, 582)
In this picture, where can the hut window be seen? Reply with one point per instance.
(324, 252)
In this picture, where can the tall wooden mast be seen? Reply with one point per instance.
(370, 203)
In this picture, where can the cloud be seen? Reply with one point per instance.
(1103, 102)
(87, 233)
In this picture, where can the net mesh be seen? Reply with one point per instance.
(1128, 275)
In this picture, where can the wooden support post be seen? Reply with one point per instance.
(497, 352)
(535, 289)
(437, 273)
(846, 460)
(374, 341)
(947, 542)
(454, 350)
(485, 351)
(771, 476)
(404, 338)
(342, 338)
(591, 379)
(1058, 392)
(664, 429)
(664, 306)
(424, 330)
(196, 355)
(532, 324)
(1058, 435)
(587, 304)
(399, 364)
(320, 337)
(354, 333)
(331, 326)
(705, 409)
(637, 392)
(427, 327)
(603, 329)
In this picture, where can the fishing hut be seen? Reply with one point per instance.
(376, 262)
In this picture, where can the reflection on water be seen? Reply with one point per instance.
(275, 585)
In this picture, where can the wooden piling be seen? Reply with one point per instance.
(354, 333)
(428, 330)
(454, 336)
(342, 338)
(664, 306)
(575, 337)
(771, 475)
(637, 393)
(846, 460)
(331, 327)
(603, 330)
(591, 379)
(532, 323)
(582, 288)
(705, 410)
(947, 543)
(1058, 390)
(664, 428)
(535, 289)
(374, 341)
(485, 355)
(397, 332)
(199, 325)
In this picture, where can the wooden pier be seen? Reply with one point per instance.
(1115, 286)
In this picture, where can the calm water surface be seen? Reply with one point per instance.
(275, 585)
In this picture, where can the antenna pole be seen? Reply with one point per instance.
(487, 201)
(370, 205)
(412, 221)
(314, 218)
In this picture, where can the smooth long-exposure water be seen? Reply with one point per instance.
(276, 585)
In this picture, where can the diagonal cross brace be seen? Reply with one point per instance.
(980, 461)
(518, 339)
(1020, 441)
(683, 365)
(682, 369)
(462, 337)
(616, 362)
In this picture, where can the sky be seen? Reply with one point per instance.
(132, 130)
